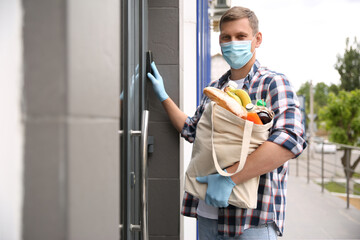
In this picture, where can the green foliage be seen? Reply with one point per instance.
(341, 120)
(334, 89)
(356, 175)
(321, 92)
(342, 117)
(338, 107)
(305, 91)
(340, 187)
(348, 66)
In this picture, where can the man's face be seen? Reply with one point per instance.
(239, 30)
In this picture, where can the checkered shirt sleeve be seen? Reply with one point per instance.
(280, 97)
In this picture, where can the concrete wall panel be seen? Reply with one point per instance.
(71, 97)
(164, 3)
(164, 165)
(164, 161)
(93, 179)
(44, 40)
(11, 128)
(164, 35)
(45, 197)
(164, 207)
(165, 238)
(93, 47)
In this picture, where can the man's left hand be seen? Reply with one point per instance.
(218, 190)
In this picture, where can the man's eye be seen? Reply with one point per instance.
(225, 37)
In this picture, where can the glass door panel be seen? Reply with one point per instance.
(133, 119)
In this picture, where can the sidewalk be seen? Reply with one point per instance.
(311, 214)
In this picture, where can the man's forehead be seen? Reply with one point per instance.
(237, 33)
(241, 25)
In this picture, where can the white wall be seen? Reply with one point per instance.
(11, 127)
(187, 91)
(218, 66)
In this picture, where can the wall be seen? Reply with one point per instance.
(11, 127)
(218, 66)
(62, 124)
(187, 93)
(71, 152)
(164, 163)
(172, 39)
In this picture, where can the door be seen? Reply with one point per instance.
(133, 121)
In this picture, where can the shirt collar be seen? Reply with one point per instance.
(225, 78)
(253, 70)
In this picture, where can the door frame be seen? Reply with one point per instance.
(133, 36)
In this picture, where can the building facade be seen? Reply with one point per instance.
(73, 94)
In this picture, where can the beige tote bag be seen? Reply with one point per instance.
(223, 139)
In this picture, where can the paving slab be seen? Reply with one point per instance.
(311, 214)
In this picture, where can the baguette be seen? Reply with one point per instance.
(225, 101)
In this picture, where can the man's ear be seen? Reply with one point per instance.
(258, 39)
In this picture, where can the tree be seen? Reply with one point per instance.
(321, 92)
(342, 118)
(348, 66)
(305, 91)
(334, 88)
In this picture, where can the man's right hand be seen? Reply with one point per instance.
(158, 83)
(218, 190)
(177, 117)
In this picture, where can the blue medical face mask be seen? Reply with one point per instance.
(237, 53)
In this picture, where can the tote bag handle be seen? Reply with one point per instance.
(244, 148)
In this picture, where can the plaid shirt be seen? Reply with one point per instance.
(287, 131)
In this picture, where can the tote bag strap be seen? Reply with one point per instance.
(244, 148)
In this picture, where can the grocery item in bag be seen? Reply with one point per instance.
(225, 101)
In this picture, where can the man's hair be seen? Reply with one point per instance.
(236, 13)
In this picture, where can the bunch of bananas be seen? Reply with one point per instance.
(243, 98)
(240, 95)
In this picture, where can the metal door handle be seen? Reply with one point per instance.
(143, 227)
(144, 187)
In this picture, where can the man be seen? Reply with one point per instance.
(239, 38)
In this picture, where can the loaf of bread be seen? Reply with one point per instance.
(225, 101)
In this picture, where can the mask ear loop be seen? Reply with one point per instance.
(251, 42)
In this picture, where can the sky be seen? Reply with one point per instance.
(302, 38)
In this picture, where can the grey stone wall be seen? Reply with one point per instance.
(71, 118)
(164, 179)
(70, 104)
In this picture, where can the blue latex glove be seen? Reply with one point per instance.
(218, 190)
(158, 83)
